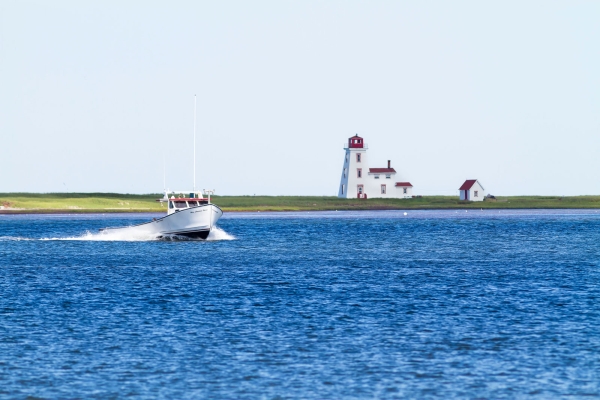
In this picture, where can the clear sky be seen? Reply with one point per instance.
(93, 95)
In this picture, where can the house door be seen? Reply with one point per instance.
(361, 192)
(466, 195)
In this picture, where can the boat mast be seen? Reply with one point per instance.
(194, 145)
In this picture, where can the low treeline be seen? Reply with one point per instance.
(118, 202)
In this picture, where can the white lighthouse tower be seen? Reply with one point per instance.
(358, 180)
(356, 166)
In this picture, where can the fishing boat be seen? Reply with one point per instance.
(192, 216)
(189, 213)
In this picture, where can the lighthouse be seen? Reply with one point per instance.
(360, 181)
(355, 165)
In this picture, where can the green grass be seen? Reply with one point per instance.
(115, 202)
(80, 202)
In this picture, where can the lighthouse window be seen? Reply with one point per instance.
(382, 189)
(343, 187)
(404, 190)
(357, 157)
(344, 172)
(388, 177)
(376, 176)
(359, 172)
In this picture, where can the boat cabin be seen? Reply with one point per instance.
(176, 204)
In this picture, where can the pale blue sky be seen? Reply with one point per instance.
(93, 95)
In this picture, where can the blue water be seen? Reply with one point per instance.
(440, 304)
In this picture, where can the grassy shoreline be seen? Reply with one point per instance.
(74, 203)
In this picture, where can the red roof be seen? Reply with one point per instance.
(468, 184)
(183, 199)
(403, 184)
(382, 170)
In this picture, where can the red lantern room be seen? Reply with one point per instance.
(356, 142)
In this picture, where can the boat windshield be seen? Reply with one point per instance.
(180, 204)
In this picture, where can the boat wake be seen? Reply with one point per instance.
(216, 234)
(13, 238)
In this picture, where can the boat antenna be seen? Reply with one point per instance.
(194, 145)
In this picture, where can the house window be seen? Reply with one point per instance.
(382, 189)
(388, 177)
(405, 190)
(376, 176)
(357, 157)
(359, 172)
(475, 194)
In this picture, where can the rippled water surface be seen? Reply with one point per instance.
(483, 304)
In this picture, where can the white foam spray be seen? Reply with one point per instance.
(108, 236)
(219, 234)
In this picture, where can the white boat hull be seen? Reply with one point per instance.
(193, 222)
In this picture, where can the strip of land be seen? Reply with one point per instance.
(26, 203)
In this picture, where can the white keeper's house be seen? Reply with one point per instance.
(472, 190)
(359, 180)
